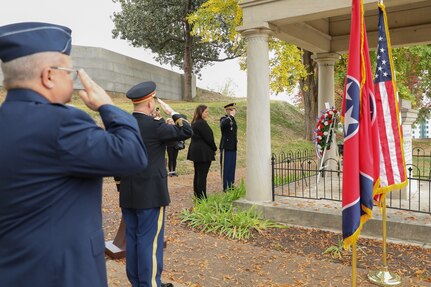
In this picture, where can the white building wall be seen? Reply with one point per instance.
(422, 130)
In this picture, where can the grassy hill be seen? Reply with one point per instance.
(287, 124)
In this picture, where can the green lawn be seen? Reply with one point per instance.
(287, 124)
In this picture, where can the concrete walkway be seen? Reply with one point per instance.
(411, 227)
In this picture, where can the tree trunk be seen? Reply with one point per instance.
(188, 64)
(309, 93)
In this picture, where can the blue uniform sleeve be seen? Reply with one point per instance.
(88, 150)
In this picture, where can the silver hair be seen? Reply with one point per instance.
(27, 68)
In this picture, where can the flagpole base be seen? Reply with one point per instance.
(384, 278)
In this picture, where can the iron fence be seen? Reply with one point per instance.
(300, 174)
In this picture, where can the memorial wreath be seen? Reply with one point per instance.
(324, 131)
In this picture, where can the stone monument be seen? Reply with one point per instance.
(408, 117)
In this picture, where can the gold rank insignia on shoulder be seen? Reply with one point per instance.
(179, 122)
(157, 118)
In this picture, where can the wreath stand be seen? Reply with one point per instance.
(334, 139)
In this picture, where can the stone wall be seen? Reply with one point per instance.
(117, 73)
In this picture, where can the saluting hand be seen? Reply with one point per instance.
(93, 95)
(165, 107)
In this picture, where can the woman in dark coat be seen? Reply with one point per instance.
(202, 150)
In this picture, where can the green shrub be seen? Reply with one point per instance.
(216, 214)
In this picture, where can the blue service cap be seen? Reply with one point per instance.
(230, 106)
(142, 92)
(27, 38)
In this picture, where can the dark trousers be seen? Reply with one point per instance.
(144, 245)
(229, 166)
(200, 179)
(172, 158)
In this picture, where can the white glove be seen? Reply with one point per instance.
(166, 108)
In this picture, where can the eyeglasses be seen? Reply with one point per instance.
(73, 74)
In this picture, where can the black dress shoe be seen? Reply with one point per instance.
(167, 285)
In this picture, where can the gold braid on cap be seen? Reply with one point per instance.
(145, 98)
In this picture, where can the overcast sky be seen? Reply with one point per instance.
(91, 26)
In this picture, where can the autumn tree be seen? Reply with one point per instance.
(217, 20)
(290, 68)
(309, 91)
(413, 76)
(162, 27)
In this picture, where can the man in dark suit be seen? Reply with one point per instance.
(228, 146)
(144, 195)
(52, 160)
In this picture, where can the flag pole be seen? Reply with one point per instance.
(384, 277)
(354, 264)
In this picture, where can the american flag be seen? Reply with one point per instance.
(361, 147)
(392, 164)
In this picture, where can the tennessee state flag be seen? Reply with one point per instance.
(361, 142)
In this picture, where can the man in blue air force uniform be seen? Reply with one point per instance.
(144, 195)
(52, 160)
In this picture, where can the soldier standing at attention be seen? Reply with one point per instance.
(228, 146)
(144, 195)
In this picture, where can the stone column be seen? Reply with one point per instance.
(258, 176)
(325, 64)
(408, 117)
